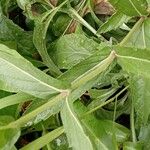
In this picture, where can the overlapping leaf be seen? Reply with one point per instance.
(75, 131)
(76, 47)
(41, 27)
(140, 99)
(10, 32)
(113, 22)
(132, 59)
(21, 75)
(8, 137)
(103, 137)
(131, 7)
(141, 35)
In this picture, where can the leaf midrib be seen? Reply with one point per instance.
(24, 72)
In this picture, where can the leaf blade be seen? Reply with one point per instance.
(72, 124)
(21, 75)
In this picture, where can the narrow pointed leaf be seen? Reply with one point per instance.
(113, 22)
(41, 27)
(140, 37)
(77, 137)
(14, 99)
(42, 141)
(21, 75)
(52, 107)
(82, 70)
(104, 133)
(8, 137)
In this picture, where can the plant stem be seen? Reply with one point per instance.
(87, 25)
(136, 26)
(90, 74)
(49, 3)
(28, 117)
(44, 133)
(42, 141)
(132, 124)
(71, 21)
(103, 104)
(115, 108)
(15, 99)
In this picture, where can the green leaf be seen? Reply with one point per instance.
(21, 75)
(46, 113)
(144, 136)
(14, 148)
(23, 3)
(132, 146)
(60, 143)
(4, 5)
(91, 5)
(41, 27)
(93, 72)
(132, 59)
(113, 22)
(104, 133)
(42, 141)
(8, 137)
(26, 6)
(81, 70)
(99, 96)
(71, 49)
(137, 62)
(140, 99)
(139, 36)
(77, 137)
(40, 113)
(60, 25)
(131, 7)
(148, 1)
(75, 15)
(14, 99)
(12, 32)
